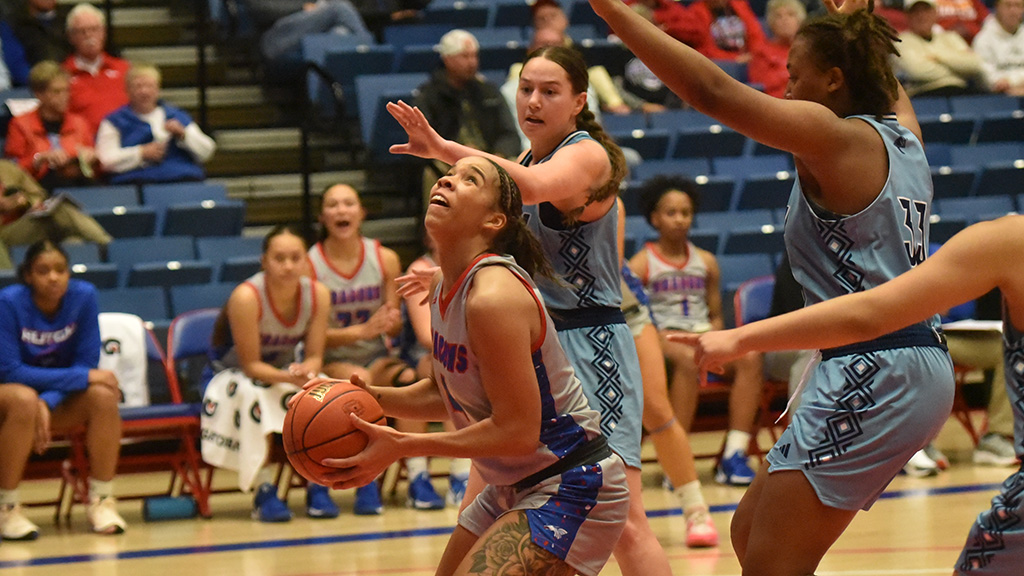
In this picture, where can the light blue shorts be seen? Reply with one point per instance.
(860, 420)
(995, 546)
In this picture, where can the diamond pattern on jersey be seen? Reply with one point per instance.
(843, 426)
(609, 385)
(839, 244)
(574, 251)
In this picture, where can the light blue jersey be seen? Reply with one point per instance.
(868, 406)
(995, 545)
(584, 302)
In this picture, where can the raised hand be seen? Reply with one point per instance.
(417, 281)
(424, 141)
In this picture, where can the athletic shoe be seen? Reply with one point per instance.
(103, 517)
(14, 525)
(368, 500)
(994, 450)
(700, 530)
(456, 489)
(734, 470)
(937, 456)
(319, 503)
(920, 466)
(267, 507)
(422, 495)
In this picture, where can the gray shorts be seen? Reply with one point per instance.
(577, 516)
(995, 546)
(860, 420)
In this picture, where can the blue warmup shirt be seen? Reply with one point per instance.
(51, 355)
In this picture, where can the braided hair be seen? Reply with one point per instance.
(515, 238)
(860, 44)
(571, 60)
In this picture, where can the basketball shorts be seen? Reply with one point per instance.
(995, 545)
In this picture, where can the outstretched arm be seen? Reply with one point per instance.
(969, 265)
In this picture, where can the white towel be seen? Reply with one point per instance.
(123, 352)
(237, 418)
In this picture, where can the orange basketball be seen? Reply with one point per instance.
(317, 426)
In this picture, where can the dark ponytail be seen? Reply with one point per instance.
(515, 239)
(860, 44)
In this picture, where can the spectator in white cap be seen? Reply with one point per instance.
(934, 61)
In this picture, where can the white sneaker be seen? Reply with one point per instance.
(994, 450)
(14, 525)
(701, 531)
(103, 516)
(920, 466)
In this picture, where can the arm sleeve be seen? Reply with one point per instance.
(198, 144)
(958, 56)
(113, 157)
(61, 380)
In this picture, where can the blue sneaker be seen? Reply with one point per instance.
(456, 489)
(319, 503)
(422, 495)
(734, 470)
(368, 501)
(267, 507)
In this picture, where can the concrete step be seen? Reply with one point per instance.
(178, 64)
(228, 106)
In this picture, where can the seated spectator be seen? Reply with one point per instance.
(462, 105)
(669, 15)
(768, 62)
(254, 344)
(682, 282)
(934, 61)
(27, 215)
(49, 351)
(379, 14)
(965, 17)
(640, 87)
(97, 78)
(724, 29)
(148, 140)
(283, 23)
(39, 27)
(1000, 46)
(50, 143)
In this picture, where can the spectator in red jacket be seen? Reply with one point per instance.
(724, 29)
(50, 143)
(97, 78)
(768, 62)
(669, 15)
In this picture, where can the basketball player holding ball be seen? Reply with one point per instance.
(502, 377)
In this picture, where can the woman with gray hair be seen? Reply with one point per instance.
(768, 63)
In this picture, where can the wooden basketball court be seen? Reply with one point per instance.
(918, 528)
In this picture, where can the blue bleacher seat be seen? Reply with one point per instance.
(737, 70)
(766, 239)
(208, 218)
(766, 190)
(581, 32)
(977, 105)
(1001, 127)
(975, 209)
(674, 120)
(163, 195)
(638, 228)
(402, 35)
(612, 55)
(131, 251)
(1020, 203)
(721, 221)
(167, 274)
(501, 33)
(946, 128)
(239, 268)
(457, 15)
(707, 239)
(738, 268)
(939, 154)
(942, 228)
(979, 154)
(750, 165)
(650, 144)
(149, 303)
(715, 193)
(100, 274)
(1000, 179)
(500, 56)
(103, 197)
(379, 130)
(712, 142)
(316, 46)
(78, 252)
(418, 58)
(580, 12)
(126, 221)
(196, 296)
(952, 182)
(511, 13)
(930, 105)
(689, 167)
(614, 123)
(217, 250)
(344, 66)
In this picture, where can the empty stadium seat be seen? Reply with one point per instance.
(103, 197)
(128, 252)
(722, 221)
(457, 14)
(946, 128)
(766, 239)
(193, 297)
(712, 142)
(173, 273)
(750, 165)
(715, 193)
(976, 208)
(1000, 179)
(148, 303)
(738, 268)
(208, 218)
(942, 228)
(952, 182)
(650, 144)
(218, 250)
(379, 130)
(1001, 127)
(769, 191)
(687, 167)
(126, 221)
(100, 274)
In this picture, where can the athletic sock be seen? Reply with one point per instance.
(736, 441)
(415, 466)
(100, 489)
(460, 467)
(9, 497)
(690, 496)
